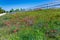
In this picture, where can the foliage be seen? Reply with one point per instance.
(31, 25)
(2, 10)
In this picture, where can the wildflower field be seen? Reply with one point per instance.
(31, 25)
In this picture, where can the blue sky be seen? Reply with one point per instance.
(8, 4)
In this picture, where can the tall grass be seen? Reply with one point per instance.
(31, 25)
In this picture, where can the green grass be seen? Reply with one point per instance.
(31, 25)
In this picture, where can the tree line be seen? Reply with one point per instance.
(2, 10)
(12, 10)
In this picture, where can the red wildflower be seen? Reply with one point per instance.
(14, 31)
(7, 23)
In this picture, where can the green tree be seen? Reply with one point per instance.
(2, 10)
(12, 10)
(22, 9)
(17, 10)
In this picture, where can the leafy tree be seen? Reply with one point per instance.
(17, 10)
(2, 10)
(12, 10)
(22, 9)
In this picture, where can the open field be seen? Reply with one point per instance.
(31, 25)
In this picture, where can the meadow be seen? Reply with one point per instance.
(41, 24)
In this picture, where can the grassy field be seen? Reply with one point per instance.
(31, 25)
